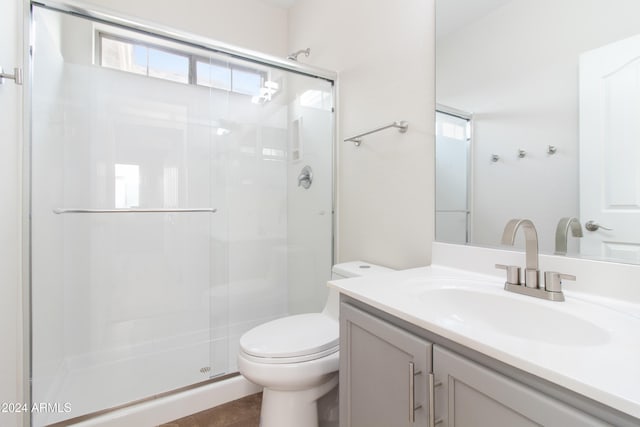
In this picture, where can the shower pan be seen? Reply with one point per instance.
(165, 213)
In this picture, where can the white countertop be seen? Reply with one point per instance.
(599, 359)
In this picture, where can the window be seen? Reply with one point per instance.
(246, 82)
(138, 57)
(167, 65)
(120, 55)
(125, 55)
(213, 75)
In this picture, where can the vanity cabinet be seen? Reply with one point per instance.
(470, 395)
(383, 373)
(390, 377)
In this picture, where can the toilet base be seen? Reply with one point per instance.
(297, 408)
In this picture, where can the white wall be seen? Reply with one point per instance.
(516, 70)
(251, 24)
(10, 199)
(384, 56)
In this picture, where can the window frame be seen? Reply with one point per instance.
(193, 59)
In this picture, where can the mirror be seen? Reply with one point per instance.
(539, 118)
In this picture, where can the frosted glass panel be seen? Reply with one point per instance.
(130, 305)
(452, 178)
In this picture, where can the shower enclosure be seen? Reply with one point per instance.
(166, 212)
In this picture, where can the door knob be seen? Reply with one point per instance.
(594, 226)
(305, 178)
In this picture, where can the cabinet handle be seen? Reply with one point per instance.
(432, 401)
(412, 393)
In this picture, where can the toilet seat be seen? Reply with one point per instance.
(292, 339)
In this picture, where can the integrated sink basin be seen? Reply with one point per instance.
(516, 316)
(475, 307)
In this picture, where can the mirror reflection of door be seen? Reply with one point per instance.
(453, 145)
(610, 150)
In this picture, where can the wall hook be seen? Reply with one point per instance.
(522, 154)
(552, 149)
(495, 158)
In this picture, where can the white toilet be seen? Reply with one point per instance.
(295, 358)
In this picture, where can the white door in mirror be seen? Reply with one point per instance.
(610, 150)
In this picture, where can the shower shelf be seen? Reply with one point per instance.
(92, 211)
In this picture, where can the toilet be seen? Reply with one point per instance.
(295, 358)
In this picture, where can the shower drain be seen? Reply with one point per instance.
(205, 369)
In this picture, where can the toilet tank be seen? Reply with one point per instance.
(346, 270)
(356, 269)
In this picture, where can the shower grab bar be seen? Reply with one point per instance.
(91, 211)
(401, 125)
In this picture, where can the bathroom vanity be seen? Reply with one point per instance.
(437, 346)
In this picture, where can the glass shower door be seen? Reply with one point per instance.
(124, 198)
(167, 218)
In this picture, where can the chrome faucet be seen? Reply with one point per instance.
(562, 232)
(552, 288)
(531, 273)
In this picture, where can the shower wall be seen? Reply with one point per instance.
(129, 305)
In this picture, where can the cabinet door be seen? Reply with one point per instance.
(473, 396)
(383, 373)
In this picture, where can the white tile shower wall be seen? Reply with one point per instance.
(384, 55)
(543, 84)
(10, 213)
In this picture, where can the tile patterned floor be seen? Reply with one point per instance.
(243, 412)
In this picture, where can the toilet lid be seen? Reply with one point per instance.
(292, 336)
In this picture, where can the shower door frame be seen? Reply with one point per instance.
(93, 13)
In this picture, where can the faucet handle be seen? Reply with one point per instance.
(553, 280)
(513, 273)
